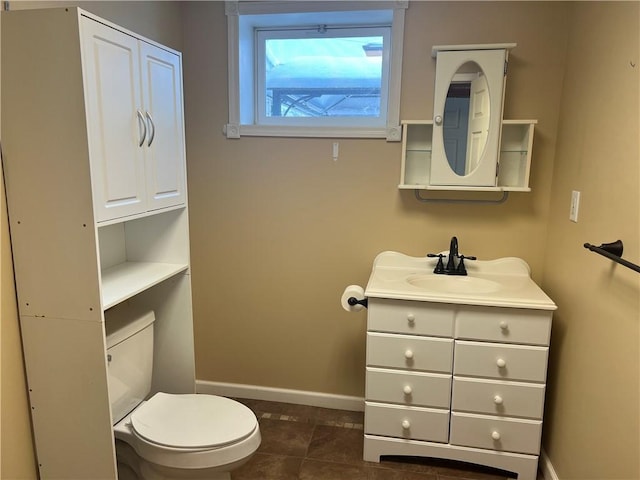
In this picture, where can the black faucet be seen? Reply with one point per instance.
(452, 268)
(453, 254)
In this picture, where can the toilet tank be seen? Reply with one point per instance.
(129, 338)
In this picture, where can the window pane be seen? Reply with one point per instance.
(322, 77)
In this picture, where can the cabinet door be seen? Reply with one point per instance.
(162, 92)
(482, 71)
(116, 123)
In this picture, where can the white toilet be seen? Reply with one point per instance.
(168, 436)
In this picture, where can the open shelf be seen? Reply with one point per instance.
(514, 157)
(137, 254)
(127, 279)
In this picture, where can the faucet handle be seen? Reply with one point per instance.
(461, 269)
(440, 265)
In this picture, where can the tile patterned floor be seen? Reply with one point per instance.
(311, 443)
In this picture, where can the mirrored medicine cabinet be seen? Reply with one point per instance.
(467, 145)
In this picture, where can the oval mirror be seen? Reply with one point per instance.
(466, 118)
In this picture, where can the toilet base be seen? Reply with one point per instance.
(132, 467)
(126, 473)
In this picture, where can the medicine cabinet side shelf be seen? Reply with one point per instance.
(514, 162)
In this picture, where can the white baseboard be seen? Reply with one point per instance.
(300, 397)
(546, 467)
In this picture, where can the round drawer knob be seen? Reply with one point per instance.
(411, 318)
(501, 363)
(407, 390)
(406, 425)
(495, 435)
(408, 354)
(504, 325)
(497, 400)
(438, 120)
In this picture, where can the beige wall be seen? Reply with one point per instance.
(279, 229)
(17, 459)
(16, 448)
(592, 428)
(160, 21)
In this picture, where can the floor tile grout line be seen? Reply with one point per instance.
(306, 451)
(314, 421)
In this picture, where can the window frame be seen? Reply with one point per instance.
(242, 114)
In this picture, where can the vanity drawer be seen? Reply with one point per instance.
(498, 360)
(415, 318)
(511, 325)
(406, 422)
(494, 397)
(495, 433)
(408, 388)
(409, 352)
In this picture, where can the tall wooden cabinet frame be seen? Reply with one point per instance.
(75, 257)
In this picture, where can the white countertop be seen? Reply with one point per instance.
(508, 279)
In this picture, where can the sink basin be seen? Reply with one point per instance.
(503, 282)
(454, 284)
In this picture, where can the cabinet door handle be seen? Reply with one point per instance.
(152, 127)
(143, 130)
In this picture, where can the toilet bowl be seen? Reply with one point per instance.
(186, 436)
(168, 436)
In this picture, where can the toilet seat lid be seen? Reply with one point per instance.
(192, 421)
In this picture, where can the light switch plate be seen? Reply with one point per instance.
(575, 205)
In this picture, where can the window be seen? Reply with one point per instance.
(322, 77)
(298, 69)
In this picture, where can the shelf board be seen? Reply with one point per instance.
(125, 280)
(136, 216)
(461, 188)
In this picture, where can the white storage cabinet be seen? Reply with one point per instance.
(93, 147)
(456, 381)
(134, 104)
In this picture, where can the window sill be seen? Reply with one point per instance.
(391, 134)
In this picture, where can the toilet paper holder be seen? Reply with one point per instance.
(353, 301)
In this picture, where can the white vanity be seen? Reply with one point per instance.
(456, 365)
